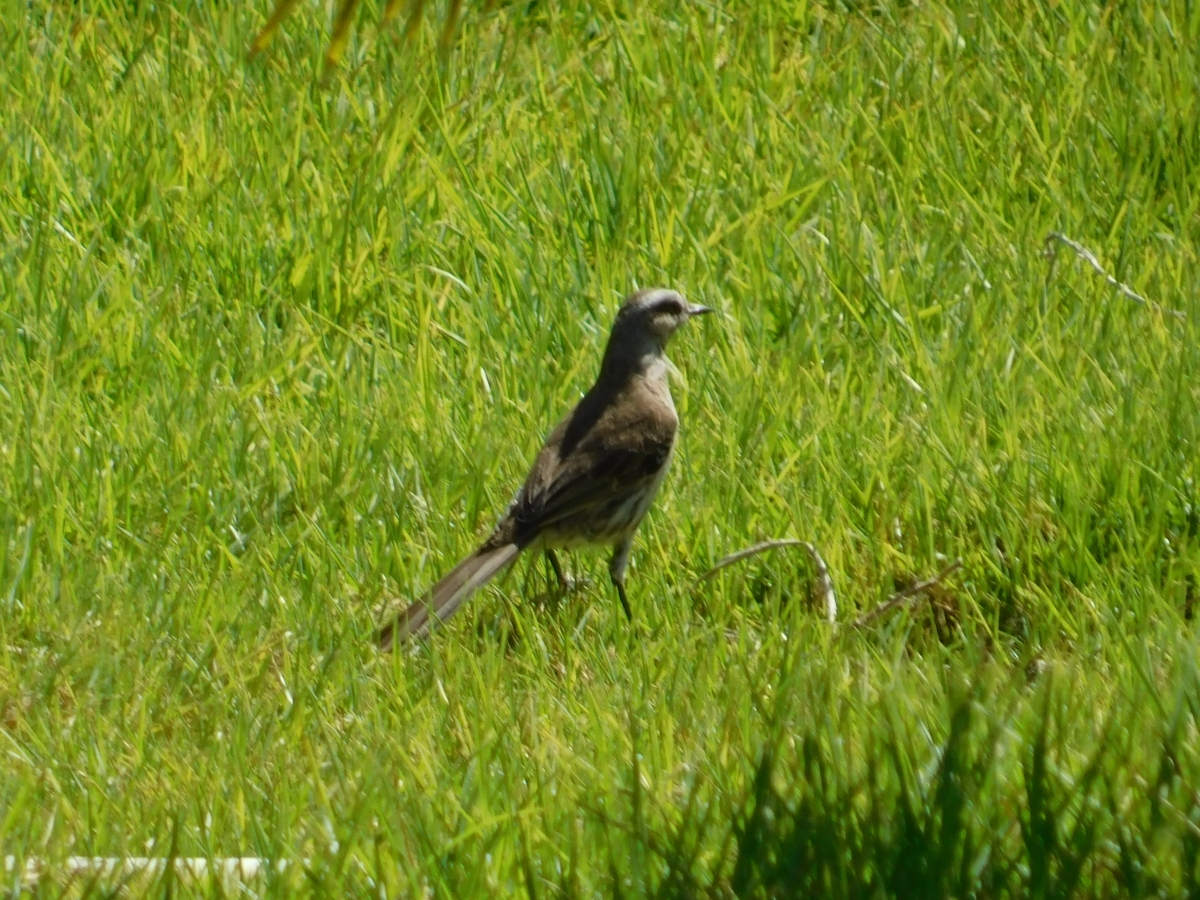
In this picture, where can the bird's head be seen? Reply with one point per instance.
(657, 312)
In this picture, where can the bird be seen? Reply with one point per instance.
(597, 473)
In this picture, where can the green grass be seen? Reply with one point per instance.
(274, 354)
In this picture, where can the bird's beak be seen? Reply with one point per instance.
(697, 310)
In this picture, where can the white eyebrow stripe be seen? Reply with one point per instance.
(660, 302)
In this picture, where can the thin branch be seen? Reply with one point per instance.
(901, 597)
(829, 597)
(1090, 258)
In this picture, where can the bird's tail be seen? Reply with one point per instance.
(445, 597)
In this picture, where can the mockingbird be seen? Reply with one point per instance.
(596, 475)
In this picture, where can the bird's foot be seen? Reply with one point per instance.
(567, 584)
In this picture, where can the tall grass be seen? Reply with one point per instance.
(273, 354)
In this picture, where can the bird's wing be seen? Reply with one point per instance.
(596, 473)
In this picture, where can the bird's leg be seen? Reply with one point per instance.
(624, 600)
(563, 584)
(616, 570)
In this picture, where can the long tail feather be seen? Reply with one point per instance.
(445, 597)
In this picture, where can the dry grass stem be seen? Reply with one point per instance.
(1090, 258)
(747, 552)
(826, 583)
(901, 597)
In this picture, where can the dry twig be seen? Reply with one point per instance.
(1090, 258)
(826, 582)
(901, 597)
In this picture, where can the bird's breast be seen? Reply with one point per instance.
(650, 395)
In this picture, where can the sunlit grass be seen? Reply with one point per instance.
(275, 354)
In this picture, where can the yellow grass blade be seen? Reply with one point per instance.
(282, 8)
